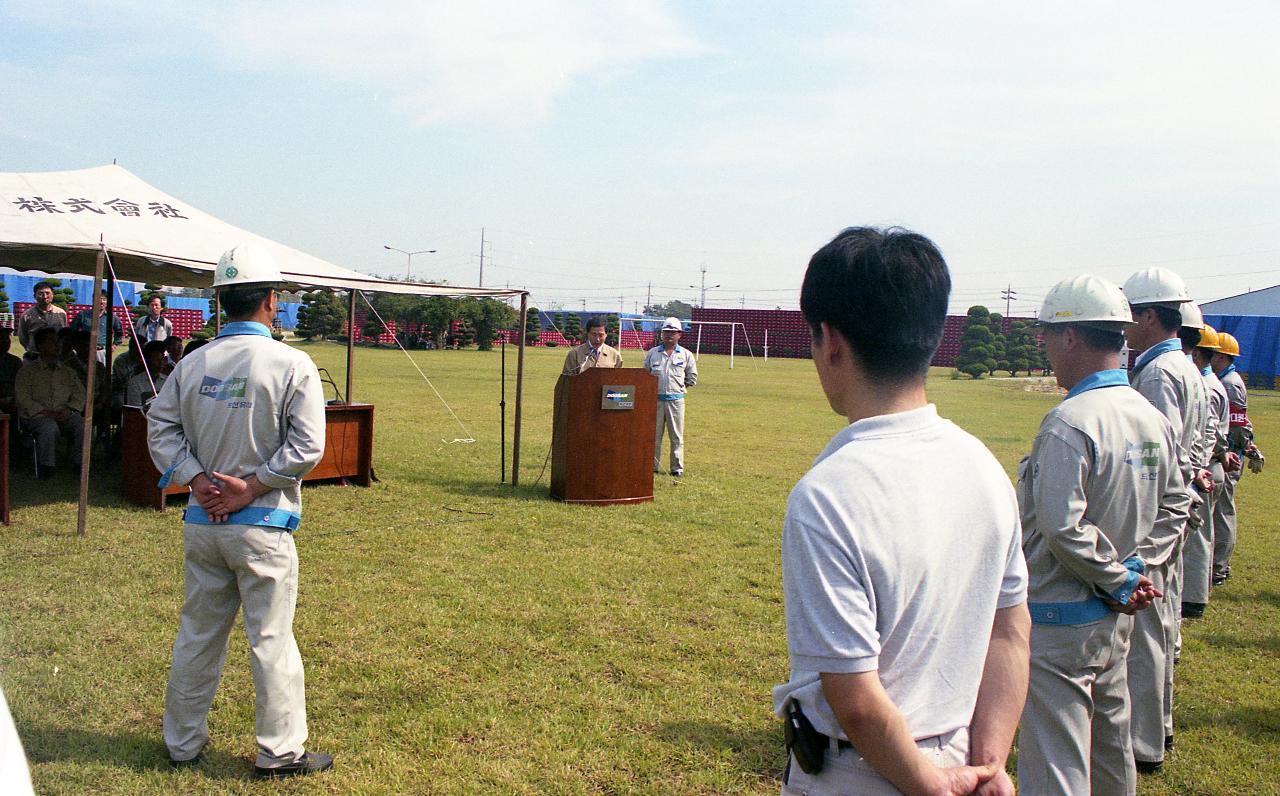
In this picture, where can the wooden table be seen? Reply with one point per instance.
(348, 453)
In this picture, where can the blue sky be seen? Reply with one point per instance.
(607, 146)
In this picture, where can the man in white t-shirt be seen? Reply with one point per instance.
(902, 563)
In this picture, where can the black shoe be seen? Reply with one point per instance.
(677, 473)
(1168, 743)
(309, 763)
(1218, 580)
(192, 763)
(1148, 767)
(1193, 610)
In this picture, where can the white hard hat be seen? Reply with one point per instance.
(1156, 286)
(673, 324)
(1192, 317)
(246, 264)
(1087, 300)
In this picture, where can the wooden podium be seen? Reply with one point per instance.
(602, 436)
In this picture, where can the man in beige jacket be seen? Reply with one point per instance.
(594, 353)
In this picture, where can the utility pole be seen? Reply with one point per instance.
(1008, 295)
(704, 287)
(481, 257)
(648, 299)
(743, 303)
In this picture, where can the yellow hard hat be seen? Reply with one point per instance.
(1209, 338)
(1228, 345)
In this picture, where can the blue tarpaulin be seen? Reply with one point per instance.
(1259, 338)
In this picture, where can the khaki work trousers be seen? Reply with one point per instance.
(670, 417)
(226, 567)
(46, 430)
(1074, 737)
(1150, 669)
(1224, 527)
(844, 771)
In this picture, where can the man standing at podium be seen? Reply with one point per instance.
(594, 353)
(677, 372)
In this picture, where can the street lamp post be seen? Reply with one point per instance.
(408, 266)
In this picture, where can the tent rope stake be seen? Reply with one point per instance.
(351, 335)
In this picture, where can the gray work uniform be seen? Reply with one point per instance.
(584, 357)
(242, 405)
(676, 372)
(1167, 378)
(1197, 552)
(1240, 432)
(1101, 477)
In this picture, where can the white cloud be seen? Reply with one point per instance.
(437, 60)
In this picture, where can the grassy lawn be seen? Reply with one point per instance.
(463, 637)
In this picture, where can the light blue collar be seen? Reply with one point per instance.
(244, 327)
(1206, 370)
(1228, 370)
(1172, 344)
(1114, 377)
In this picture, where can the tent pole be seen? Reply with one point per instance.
(502, 409)
(82, 515)
(515, 441)
(351, 338)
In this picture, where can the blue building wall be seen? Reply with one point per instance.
(1259, 338)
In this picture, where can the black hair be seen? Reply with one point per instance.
(1190, 338)
(241, 302)
(1099, 339)
(192, 346)
(1169, 318)
(595, 322)
(40, 285)
(886, 292)
(153, 347)
(42, 333)
(153, 297)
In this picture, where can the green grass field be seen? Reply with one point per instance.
(464, 637)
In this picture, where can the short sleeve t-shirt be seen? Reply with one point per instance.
(898, 548)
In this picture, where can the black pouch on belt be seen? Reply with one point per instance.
(804, 742)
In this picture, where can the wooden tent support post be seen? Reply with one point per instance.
(351, 339)
(82, 515)
(515, 441)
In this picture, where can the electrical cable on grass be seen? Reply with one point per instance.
(469, 438)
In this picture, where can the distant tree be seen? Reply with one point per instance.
(1021, 351)
(572, 328)
(611, 330)
(485, 316)
(673, 308)
(62, 296)
(977, 351)
(320, 316)
(4, 301)
(532, 326)
(148, 291)
(998, 353)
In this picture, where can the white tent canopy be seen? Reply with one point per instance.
(56, 221)
(60, 222)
